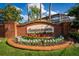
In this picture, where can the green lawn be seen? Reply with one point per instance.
(6, 50)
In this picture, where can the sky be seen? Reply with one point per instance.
(56, 8)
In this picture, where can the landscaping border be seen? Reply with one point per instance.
(40, 48)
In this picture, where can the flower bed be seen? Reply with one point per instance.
(66, 44)
(39, 41)
(39, 35)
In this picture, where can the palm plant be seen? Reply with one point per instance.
(35, 12)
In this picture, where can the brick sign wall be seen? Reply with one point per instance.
(12, 29)
(58, 29)
(2, 30)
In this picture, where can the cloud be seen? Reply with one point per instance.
(52, 12)
(44, 12)
(47, 13)
(25, 18)
(33, 5)
(18, 8)
(72, 18)
(38, 6)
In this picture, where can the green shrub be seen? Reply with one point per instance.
(75, 36)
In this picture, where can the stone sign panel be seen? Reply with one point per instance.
(40, 28)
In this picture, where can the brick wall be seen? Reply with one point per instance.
(58, 29)
(2, 30)
(66, 28)
(21, 30)
(11, 29)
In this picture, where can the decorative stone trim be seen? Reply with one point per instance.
(40, 48)
(36, 22)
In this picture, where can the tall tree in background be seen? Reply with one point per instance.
(11, 13)
(74, 11)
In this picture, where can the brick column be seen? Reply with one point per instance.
(15, 24)
(10, 29)
(66, 28)
(2, 31)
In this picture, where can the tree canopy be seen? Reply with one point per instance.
(74, 11)
(11, 13)
(34, 13)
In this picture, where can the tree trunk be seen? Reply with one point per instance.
(28, 12)
(40, 11)
(50, 11)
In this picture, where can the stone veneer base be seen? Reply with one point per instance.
(40, 48)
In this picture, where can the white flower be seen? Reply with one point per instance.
(34, 41)
(39, 39)
(30, 40)
(50, 40)
(45, 41)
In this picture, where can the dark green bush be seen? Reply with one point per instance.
(75, 36)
